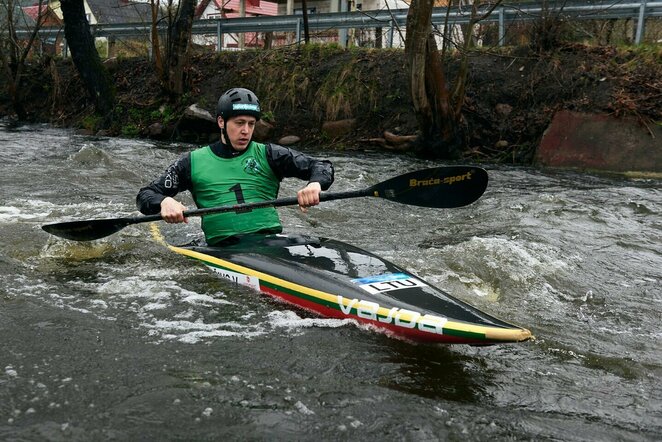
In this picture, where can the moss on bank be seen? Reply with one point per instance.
(511, 98)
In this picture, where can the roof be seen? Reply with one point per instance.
(33, 11)
(120, 11)
(25, 12)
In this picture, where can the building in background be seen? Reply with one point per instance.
(215, 9)
(383, 36)
(114, 12)
(26, 14)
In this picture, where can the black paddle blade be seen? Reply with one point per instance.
(87, 230)
(441, 187)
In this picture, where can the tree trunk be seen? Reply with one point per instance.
(14, 53)
(9, 60)
(84, 53)
(306, 31)
(155, 6)
(180, 40)
(428, 85)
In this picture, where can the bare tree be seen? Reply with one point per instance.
(84, 53)
(179, 47)
(438, 104)
(155, 6)
(14, 51)
(172, 56)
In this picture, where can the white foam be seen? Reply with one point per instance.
(481, 261)
(138, 287)
(191, 332)
(99, 303)
(46, 211)
(301, 407)
(9, 210)
(10, 214)
(183, 325)
(186, 314)
(154, 306)
(193, 337)
(199, 299)
(290, 320)
(159, 304)
(522, 259)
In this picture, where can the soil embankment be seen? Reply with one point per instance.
(511, 100)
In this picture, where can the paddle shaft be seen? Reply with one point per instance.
(280, 202)
(245, 207)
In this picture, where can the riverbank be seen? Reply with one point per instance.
(512, 95)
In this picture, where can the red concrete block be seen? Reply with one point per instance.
(600, 142)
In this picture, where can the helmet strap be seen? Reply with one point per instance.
(225, 136)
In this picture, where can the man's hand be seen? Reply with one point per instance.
(309, 196)
(172, 211)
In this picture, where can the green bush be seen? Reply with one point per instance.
(130, 131)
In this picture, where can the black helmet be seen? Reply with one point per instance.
(238, 101)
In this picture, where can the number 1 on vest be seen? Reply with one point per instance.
(239, 195)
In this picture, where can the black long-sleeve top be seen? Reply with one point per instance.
(285, 163)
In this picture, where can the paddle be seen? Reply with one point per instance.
(440, 187)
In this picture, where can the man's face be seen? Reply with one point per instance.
(239, 130)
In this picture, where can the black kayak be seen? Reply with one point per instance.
(338, 280)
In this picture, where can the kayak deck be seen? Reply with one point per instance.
(338, 280)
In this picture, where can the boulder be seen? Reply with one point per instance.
(263, 131)
(198, 121)
(398, 140)
(339, 128)
(155, 130)
(194, 112)
(289, 140)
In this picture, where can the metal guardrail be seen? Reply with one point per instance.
(393, 19)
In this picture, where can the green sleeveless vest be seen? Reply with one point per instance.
(220, 181)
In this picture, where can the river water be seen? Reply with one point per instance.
(120, 339)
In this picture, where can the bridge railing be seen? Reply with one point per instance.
(389, 21)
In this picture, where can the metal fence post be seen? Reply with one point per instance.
(150, 48)
(502, 27)
(641, 23)
(342, 33)
(298, 31)
(219, 37)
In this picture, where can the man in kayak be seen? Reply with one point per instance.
(235, 170)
